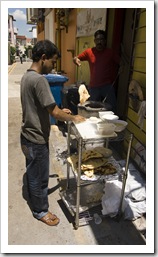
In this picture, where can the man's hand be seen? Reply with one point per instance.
(64, 115)
(77, 61)
(66, 111)
(78, 118)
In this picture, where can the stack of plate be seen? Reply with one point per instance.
(105, 128)
(110, 118)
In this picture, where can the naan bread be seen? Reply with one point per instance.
(83, 93)
(86, 165)
(106, 152)
(86, 155)
(89, 173)
(106, 169)
(90, 154)
(93, 163)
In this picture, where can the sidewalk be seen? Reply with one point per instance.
(23, 229)
(10, 67)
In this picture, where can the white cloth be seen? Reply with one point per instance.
(111, 198)
(134, 201)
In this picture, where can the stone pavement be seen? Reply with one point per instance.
(23, 229)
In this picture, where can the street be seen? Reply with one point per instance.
(23, 229)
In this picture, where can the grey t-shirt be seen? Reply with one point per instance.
(36, 96)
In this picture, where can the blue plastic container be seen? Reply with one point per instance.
(56, 83)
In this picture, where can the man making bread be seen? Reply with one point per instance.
(38, 104)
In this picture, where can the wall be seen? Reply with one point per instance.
(82, 72)
(40, 31)
(138, 73)
(126, 51)
(11, 28)
(49, 27)
(110, 25)
(68, 42)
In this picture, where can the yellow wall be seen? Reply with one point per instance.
(139, 74)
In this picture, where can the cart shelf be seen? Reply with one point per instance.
(78, 198)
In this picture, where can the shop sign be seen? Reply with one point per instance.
(90, 20)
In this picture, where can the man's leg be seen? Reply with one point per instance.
(37, 170)
(108, 92)
(94, 94)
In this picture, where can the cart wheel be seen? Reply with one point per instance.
(118, 216)
(75, 226)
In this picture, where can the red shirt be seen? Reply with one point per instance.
(102, 65)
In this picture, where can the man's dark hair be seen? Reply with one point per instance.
(100, 32)
(44, 47)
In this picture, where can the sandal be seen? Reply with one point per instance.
(53, 216)
(50, 219)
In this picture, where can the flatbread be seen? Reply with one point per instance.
(86, 155)
(106, 152)
(86, 165)
(89, 173)
(83, 93)
(90, 154)
(106, 169)
(93, 163)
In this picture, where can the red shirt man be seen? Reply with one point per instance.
(102, 63)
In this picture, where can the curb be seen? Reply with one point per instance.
(11, 67)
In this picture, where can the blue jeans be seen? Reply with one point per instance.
(99, 93)
(37, 171)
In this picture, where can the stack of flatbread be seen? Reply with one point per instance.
(94, 162)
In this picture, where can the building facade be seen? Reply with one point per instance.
(71, 29)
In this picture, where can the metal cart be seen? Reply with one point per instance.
(86, 134)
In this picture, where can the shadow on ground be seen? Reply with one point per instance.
(112, 231)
